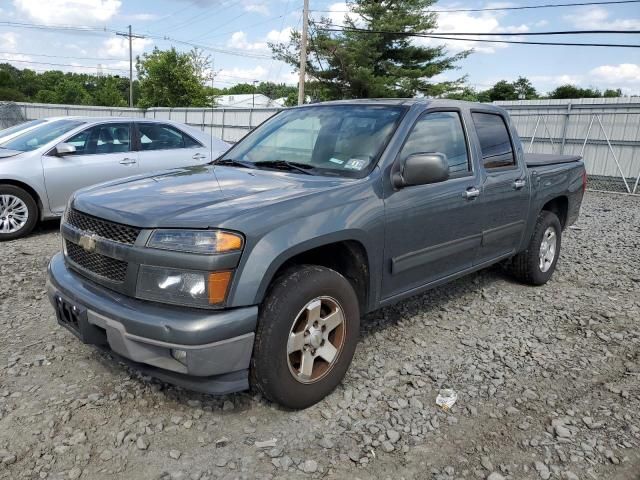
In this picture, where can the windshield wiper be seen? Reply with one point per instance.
(232, 162)
(285, 165)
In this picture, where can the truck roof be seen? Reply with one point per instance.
(427, 102)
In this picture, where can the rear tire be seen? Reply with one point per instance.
(536, 264)
(311, 315)
(18, 212)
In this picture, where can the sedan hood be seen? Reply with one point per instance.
(6, 153)
(195, 197)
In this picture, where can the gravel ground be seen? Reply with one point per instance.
(548, 383)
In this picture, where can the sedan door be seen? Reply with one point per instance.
(103, 152)
(162, 146)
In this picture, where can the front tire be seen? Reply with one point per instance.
(306, 337)
(536, 264)
(18, 212)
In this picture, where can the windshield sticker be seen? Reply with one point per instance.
(336, 160)
(356, 164)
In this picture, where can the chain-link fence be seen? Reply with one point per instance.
(10, 114)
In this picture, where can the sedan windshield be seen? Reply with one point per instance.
(22, 126)
(344, 140)
(41, 135)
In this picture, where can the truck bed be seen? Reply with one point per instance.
(541, 159)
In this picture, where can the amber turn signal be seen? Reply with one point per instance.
(227, 242)
(218, 286)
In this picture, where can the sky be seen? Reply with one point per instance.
(238, 32)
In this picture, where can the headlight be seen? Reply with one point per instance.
(193, 288)
(196, 241)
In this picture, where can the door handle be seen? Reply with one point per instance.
(128, 161)
(520, 183)
(199, 156)
(471, 193)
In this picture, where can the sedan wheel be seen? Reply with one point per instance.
(14, 214)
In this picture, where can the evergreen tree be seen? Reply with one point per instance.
(370, 64)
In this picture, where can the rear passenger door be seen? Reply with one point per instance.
(161, 146)
(505, 192)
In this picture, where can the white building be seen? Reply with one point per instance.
(247, 100)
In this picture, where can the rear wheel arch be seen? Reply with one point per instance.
(560, 207)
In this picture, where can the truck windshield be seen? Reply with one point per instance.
(339, 140)
(41, 135)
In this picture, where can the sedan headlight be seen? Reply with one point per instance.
(181, 287)
(196, 241)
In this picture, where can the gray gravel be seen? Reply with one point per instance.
(548, 383)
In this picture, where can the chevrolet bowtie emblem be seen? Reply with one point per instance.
(88, 242)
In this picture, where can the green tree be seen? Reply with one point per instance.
(108, 93)
(572, 91)
(365, 64)
(525, 89)
(466, 93)
(610, 93)
(169, 78)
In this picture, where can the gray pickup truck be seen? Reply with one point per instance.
(255, 270)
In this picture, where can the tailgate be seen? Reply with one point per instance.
(541, 159)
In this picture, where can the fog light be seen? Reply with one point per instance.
(179, 355)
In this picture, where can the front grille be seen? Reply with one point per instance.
(105, 267)
(103, 228)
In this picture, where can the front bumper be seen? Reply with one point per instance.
(217, 345)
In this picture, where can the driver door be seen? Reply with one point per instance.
(432, 231)
(103, 152)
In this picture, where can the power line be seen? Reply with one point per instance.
(496, 9)
(8, 60)
(501, 34)
(64, 56)
(441, 37)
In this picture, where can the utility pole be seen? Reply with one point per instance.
(130, 36)
(303, 51)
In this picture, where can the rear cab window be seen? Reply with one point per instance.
(495, 140)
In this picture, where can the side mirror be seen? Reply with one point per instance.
(421, 169)
(63, 149)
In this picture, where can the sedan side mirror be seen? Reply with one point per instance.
(63, 149)
(421, 169)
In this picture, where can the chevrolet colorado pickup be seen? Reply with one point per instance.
(254, 271)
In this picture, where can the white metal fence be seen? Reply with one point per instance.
(605, 131)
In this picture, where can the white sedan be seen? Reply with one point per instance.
(44, 164)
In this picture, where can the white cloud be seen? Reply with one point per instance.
(484, 22)
(257, 7)
(240, 41)
(617, 75)
(68, 11)
(119, 46)
(597, 18)
(259, 73)
(625, 76)
(8, 41)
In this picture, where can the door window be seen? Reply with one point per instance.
(495, 142)
(102, 139)
(157, 136)
(440, 132)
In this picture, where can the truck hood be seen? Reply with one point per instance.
(195, 197)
